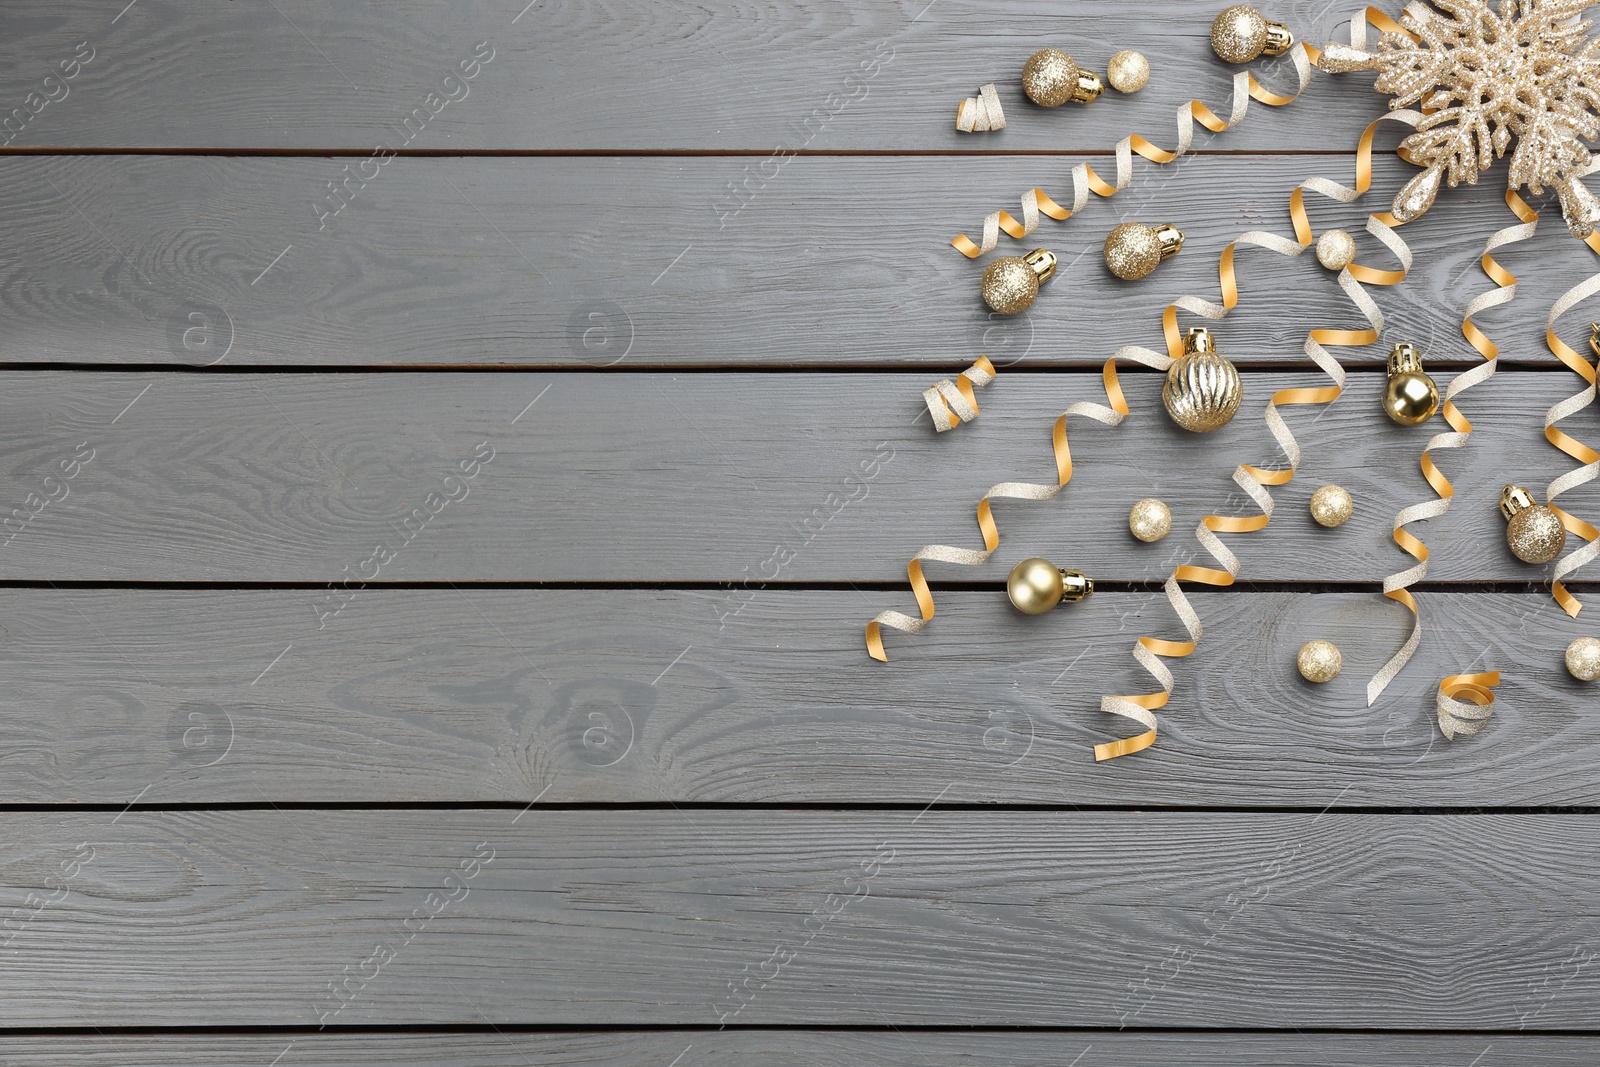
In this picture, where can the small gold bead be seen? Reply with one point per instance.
(1336, 249)
(1319, 661)
(1150, 520)
(1128, 72)
(1583, 659)
(1331, 505)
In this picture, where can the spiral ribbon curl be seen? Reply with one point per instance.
(1397, 586)
(1084, 179)
(1254, 480)
(981, 113)
(952, 402)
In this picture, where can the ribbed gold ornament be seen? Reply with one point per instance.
(1202, 391)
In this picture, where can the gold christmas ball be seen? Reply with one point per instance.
(1331, 505)
(1202, 391)
(1035, 586)
(1149, 520)
(1009, 286)
(1238, 34)
(1319, 661)
(1536, 535)
(1336, 249)
(1128, 72)
(1050, 77)
(1410, 398)
(1132, 250)
(1583, 659)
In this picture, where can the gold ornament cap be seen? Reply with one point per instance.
(1132, 250)
(1583, 659)
(1202, 391)
(1050, 78)
(1319, 661)
(1534, 532)
(1011, 282)
(1149, 520)
(1241, 33)
(1036, 585)
(1128, 71)
(1409, 396)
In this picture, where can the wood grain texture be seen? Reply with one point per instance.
(568, 75)
(949, 918)
(804, 1049)
(703, 477)
(630, 262)
(604, 697)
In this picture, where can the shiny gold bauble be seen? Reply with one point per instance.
(1536, 535)
(1128, 72)
(1319, 661)
(1410, 398)
(1037, 585)
(1011, 282)
(1202, 391)
(1336, 249)
(1149, 520)
(1051, 78)
(1583, 659)
(1331, 505)
(1240, 34)
(1133, 250)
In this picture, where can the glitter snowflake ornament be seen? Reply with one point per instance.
(1484, 78)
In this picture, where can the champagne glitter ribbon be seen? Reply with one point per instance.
(968, 557)
(1397, 586)
(1574, 448)
(1084, 179)
(1472, 715)
(951, 403)
(981, 113)
(1253, 480)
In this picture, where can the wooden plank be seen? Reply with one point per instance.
(948, 918)
(585, 696)
(638, 262)
(703, 477)
(801, 1049)
(567, 76)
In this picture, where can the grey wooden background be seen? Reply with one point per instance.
(566, 780)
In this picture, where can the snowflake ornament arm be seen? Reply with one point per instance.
(1526, 73)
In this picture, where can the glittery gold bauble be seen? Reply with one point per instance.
(1133, 250)
(1583, 659)
(1128, 72)
(1319, 661)
(1331, 505)
(1011, 282)
(1051, 78)
(1336, 249)
(1037, 585)
(1202, 391)
(1534, 532)
(1240, 34)
(1149, 520)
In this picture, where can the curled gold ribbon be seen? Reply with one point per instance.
(981, 113)
(1084, 179)
(1397, 586)
(968, 557)
(1572, 447)
(1254, 480)
(952, 402)
(1467, 716)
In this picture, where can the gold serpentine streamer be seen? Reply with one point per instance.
(968, 557)
(1471, 716)
(1084, 179)
(1254, 480)
(1397, 586)
(1572, 447)
(951, 403)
